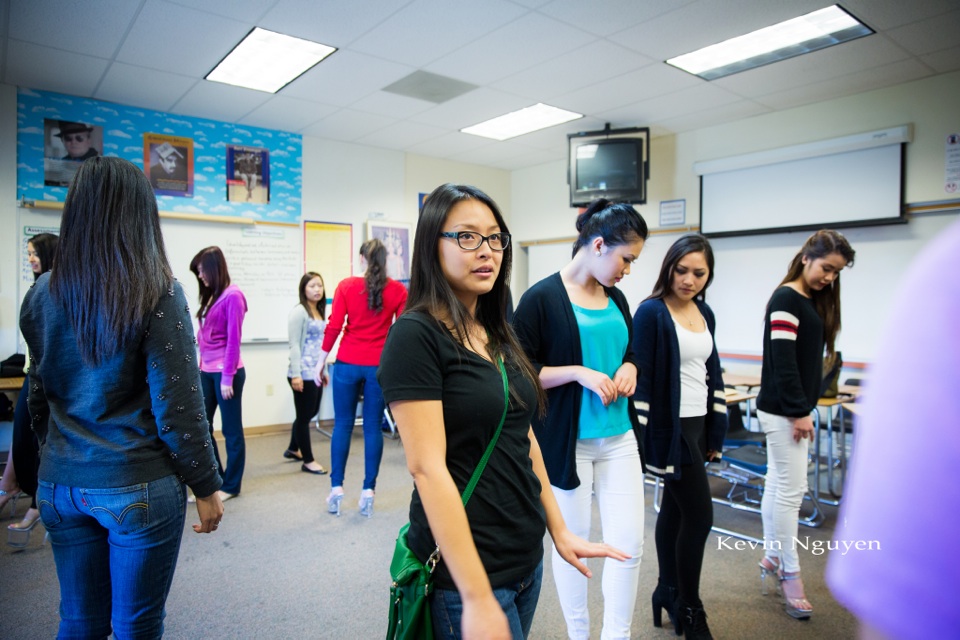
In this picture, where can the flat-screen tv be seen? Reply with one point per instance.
(612, 164)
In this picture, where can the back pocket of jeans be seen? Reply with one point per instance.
(120, 509)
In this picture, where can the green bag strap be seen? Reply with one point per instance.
(475, 478)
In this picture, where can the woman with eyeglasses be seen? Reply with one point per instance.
(576, 328)
(364, 307)
(449, 365)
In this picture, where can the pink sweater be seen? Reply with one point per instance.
(219, 335)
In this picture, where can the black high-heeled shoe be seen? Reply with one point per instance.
(694, 623)
(665, 597)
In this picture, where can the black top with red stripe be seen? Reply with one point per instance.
(792, 355)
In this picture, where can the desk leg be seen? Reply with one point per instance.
(830, 451)
(816, 455)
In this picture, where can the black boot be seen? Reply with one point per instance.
(694, 623)
(665, 597)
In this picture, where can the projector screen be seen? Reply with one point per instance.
(852, 188)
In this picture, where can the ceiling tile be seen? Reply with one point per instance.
(345, 77)
(943, 61)
(402, 135)
(717, 114)
(610, 16)
(348, 125)
(287, 114)
(594, 62)
(219, 101)
(471, 108)
(72, 26)
(707, 22)
(336, 24)
(671, 105)
(176, 39)
(888, 14)
(523, 43)
(630, 88)
(243, 10)
(391, 104)
(876, 78)
(449, 144)
(139, 87)
(930, 35)
(37, 67)
(426, 30)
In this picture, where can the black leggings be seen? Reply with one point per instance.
(686, 516)
(307, 404)
(25, 447)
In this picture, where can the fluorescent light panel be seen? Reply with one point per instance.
(517, 123)
(268, 61)
(808, 33)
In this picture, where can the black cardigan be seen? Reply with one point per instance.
(658, 388)
(547, 329)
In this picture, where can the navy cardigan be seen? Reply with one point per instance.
(658, 389)
(547, 329)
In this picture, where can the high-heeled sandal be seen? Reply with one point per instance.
(333, 502)
(768, 567)
(10, 497)
(798, 608)
(366, 503)
(18, 535)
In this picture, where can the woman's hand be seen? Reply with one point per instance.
(226, 391)
(320, 375)
(297, 384)
(599, 383)
(210, 510)
(484, 618)
(572, 548)
(802, 428)
(625, 379)
(713, 456)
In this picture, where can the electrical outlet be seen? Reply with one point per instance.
(269, 389)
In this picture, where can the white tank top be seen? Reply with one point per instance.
(695, 348)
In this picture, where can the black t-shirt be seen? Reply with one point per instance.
(421, 361)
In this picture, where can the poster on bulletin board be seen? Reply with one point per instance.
(185, 157)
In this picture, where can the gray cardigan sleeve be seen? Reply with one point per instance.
(297, 333)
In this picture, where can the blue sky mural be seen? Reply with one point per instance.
(121, 130)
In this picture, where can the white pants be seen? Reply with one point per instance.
(784, 488)
(609, 468)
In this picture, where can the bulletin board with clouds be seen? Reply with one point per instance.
(212, 168)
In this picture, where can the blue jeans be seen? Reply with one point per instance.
(518, 601)
(348, 381)
(115, 550)
(231, 424)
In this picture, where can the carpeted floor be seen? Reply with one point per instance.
(281, 567)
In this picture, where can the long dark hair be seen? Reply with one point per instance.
(431, 293)
(827, 300)
(375, 278)
(45, 245)
(692, 243)
(111, 266)
(617, 223)
(321, 303)
(215, 272)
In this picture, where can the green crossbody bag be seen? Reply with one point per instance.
(409, 617)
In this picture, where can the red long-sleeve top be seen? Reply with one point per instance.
(365, 331)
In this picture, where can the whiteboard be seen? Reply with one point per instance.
(264, 261)
(854, 187)
(748, 268)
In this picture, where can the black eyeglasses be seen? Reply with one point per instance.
(471, 240)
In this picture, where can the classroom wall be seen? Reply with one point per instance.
(744, 280)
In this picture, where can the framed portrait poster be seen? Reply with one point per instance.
(397, 238)
(168, 162)
(248, 174)
(65, 145)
